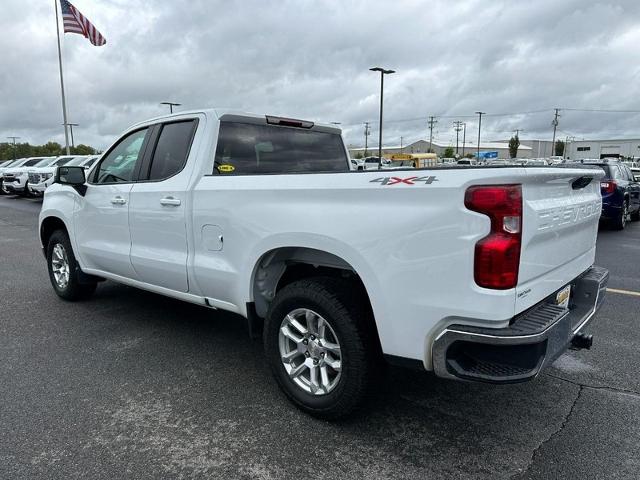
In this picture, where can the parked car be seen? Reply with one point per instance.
(620, 192)
(5, 166)
(42, 177)
(475, 273)
(16, 177)
(373, 163)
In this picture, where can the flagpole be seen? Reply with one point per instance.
(64, 102)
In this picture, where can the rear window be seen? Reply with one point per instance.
(172, 149)
(245, 148)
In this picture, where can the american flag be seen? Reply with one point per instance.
(75, 22)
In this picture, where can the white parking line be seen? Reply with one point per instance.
(623, 292)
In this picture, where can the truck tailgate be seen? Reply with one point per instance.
(560, 224)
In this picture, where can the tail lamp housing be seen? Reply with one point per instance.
(497, 256)
(608, 186)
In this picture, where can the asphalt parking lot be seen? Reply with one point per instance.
(134, 385)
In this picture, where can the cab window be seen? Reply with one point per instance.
(172, 149)
(119, 165)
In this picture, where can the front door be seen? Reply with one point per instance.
(102, 216)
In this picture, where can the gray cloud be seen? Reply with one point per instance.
(310, 59)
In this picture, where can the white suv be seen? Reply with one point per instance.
(42, 177)
(15, 177)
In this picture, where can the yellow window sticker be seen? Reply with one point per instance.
(225, 168)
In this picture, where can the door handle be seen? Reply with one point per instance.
(174, 202)
(118, 200)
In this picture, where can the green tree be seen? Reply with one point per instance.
(359, 155)
(559, 148)
(514, 143)
(449, 152)
(469, 155)
(83, 150)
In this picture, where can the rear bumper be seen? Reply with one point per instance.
(533, 340)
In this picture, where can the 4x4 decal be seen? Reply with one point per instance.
(407, 181)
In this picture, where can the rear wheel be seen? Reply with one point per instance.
(621, 221)
(64, 269)
(318, 346)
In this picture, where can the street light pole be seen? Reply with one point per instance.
(14, 146)
(383, 72)
(171, 105)
(479, 127)
(71, 125)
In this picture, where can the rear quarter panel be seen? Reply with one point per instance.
(412, 244)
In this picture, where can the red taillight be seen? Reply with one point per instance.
(607, 187)
(497, 256)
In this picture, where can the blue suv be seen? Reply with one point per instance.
(620, 193)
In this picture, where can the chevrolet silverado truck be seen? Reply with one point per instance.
(474, 273)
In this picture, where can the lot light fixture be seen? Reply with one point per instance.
(171, 105)
(383, 72)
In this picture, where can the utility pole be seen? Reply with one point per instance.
(555, 126)
(432, 122)
(458, 128)
(518, 130)
(401, 137)
(14, 146)
(479, 127)
(464, 136)
(367, 132)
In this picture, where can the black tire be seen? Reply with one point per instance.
(620, 222)
(73, 289)
(26, 193)
(334, 300)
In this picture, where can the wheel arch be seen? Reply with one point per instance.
(282, 265)
(49, 225)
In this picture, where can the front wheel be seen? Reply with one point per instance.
(64, 269)
(318, 346)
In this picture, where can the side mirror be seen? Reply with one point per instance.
(72, 176)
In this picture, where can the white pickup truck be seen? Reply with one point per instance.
(474, 273)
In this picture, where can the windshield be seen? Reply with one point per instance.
(75, 162)
(60, 161)
(36, 162)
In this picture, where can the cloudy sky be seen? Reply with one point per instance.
(515, 60)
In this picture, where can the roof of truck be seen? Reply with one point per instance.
(219, 112)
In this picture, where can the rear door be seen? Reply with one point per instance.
(159, 201)
(561, 212)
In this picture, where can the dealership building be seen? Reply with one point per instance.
(627, 148)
